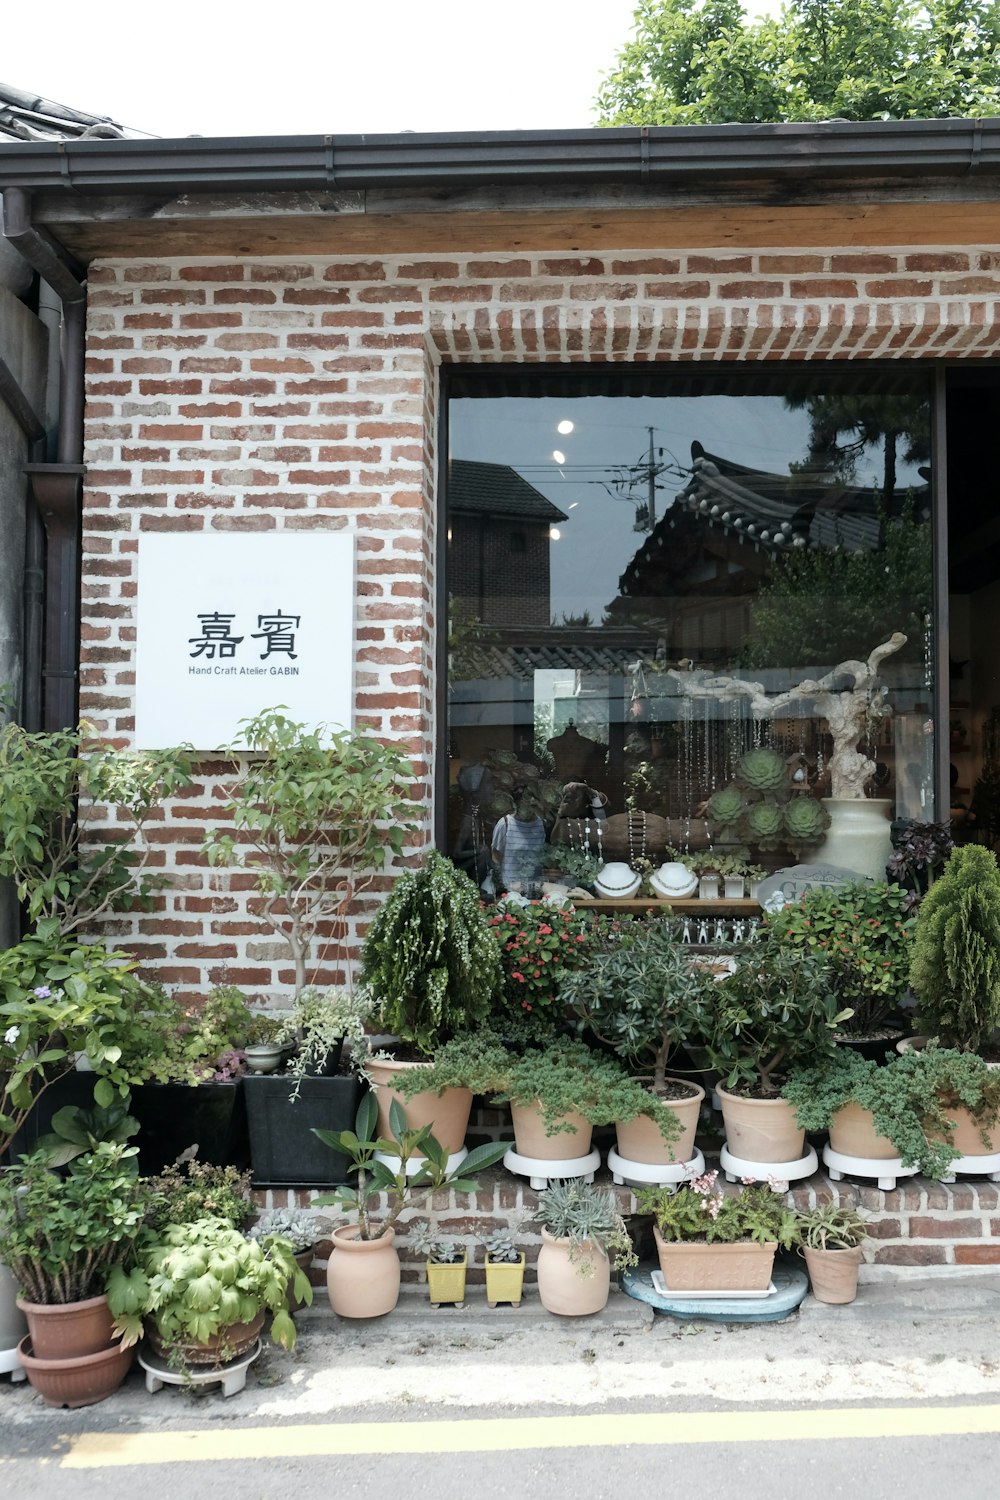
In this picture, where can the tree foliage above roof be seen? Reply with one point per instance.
(701, 62)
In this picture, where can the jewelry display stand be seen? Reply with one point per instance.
(540, 1171)
(231, 1376)
(884, 1169)
(782, 1171)
(12, 1366)
(416, 1163)
(647, 1174)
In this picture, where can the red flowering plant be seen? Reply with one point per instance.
(538, 943)
(864, 931)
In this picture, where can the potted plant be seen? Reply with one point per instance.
(315, 1087)
(363, 1268)
(582, 1232)
(919, 852)
(189, 1189)
(504, 1268)
(431, 962)
(298, 1229)
(924, 1107)
(830, 1238)
(864, 933)
(645, 998)
(775, 1010)
(711, 1241)
(201, 1291)
(955, 970)
(263, 1051)
(539, 944)
(62, 1237)
(447, 1262)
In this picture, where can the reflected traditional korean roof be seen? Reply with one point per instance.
(497, 489)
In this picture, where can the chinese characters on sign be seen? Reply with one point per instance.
(229, 625)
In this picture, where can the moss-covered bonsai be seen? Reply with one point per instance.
(430, 958)
(955, 971)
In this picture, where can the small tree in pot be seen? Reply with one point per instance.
(955, 972)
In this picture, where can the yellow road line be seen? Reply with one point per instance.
(100, 1450)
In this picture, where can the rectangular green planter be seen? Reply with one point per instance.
(283, 1150)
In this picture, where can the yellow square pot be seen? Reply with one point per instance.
(504, 1281)
(446, 1281)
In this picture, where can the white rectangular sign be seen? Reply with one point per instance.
(228, 625)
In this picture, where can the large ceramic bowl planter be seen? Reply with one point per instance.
(574, 1280)
(446, 1113)
(362, 1276)
(858, 836)
(833, 1274)
(79, 1381)
(761, 1130)
(690, 1266)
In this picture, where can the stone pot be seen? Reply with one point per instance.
(362, 1276)
(573, 1280)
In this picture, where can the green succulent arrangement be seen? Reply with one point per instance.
(955, 971)
(832, 1226)
(763, 769)
(762, 808)
(725, 808)
(912, 1099)
(589, 1218)
(700, 1212)
(293, 1225)
(806, 820)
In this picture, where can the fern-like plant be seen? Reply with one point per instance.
(955, 972)
(430, 957)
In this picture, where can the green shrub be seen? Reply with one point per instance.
(955, 972)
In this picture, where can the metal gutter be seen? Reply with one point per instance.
(655, 155)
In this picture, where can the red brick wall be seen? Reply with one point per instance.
(301, 396)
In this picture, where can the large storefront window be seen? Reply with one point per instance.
(656, 586)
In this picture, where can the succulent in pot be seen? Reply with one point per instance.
(504, 1268)
(830, 1239)
(292, 1224)
(583, 1231)
(447, 1262)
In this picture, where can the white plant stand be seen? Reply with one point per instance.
(987, 1165)
(782, 1171)
(540, 1171)
(885, 1169)
(417, 1163)
(12, 1366)
(231, 1376)
(646, 1174)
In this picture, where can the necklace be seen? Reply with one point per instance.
(632, 855)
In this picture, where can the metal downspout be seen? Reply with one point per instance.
(57, 487)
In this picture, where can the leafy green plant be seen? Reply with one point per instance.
(912, 1099)
(263, 1030)
(314, 816)
(61, 1235)
(955, 971)
(775, 1010)
(863, 932)
(700, 1212)
(430, 959)
(55, 788)
(403, 1188)
(76, 1131)
(589, 1218)
(578, 867)
(175, 1043)
(57, 1002)
(568, 1078)
(321, 1021)
(645, 997)
(538, 944)
(196, 1280)
(832, 1226)
(189, 1189)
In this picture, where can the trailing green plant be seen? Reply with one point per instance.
(777, 1009)
(832, 1226)
(539, 943)
(403, 1188)
(645, 998)
(320, 1023)
(430, 958)
(190, 1189)
(292, 1224)
(55, 789)
(955, 971)
(61, 1235)
(476, 1061)
(314, 815)
(58, 1002)
(863, 931)
(912, 1099)
(76, 1130)
(589, 1218)
(568, 1078)
(700, 1212)
(196, 1280)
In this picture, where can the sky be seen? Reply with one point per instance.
(344, 67)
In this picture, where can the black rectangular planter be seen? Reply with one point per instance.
(174, 1116)
(283, 1150)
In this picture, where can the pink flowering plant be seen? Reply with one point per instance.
(702, 1211)
(538, 944)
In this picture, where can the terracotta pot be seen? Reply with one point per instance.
(691, 1267)
(362, 1276)
(641, 1140)
(853, 1133)
(446, 1113)
(966, 1137)
(833, 1273)
(68, 1330)
(229, 1343)
(531, 1140)
(572, 1287)
(76, 1382)
(761, 1130)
